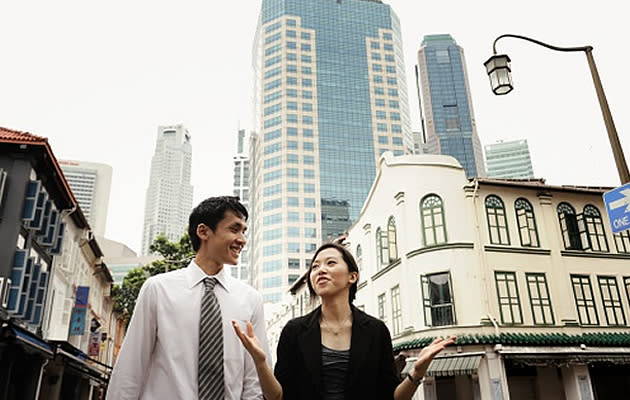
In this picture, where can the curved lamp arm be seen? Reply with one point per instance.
(538, 42)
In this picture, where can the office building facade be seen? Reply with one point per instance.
(447, 104)
(241, 189)
(91, 185)
(330, 98)
(169, 195)
(509, 160)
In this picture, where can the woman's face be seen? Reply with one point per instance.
(329, 274)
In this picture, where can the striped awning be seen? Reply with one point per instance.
(465, 364)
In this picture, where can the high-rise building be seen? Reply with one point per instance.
(448, 111)
(241, 189)
(330, 98)
(91, 185)
(509, 159)
(169, 195)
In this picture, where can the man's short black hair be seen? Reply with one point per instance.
(210, 212)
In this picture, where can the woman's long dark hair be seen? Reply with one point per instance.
(349, 260)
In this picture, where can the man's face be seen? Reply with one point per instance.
(224, 245)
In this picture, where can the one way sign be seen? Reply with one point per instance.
(618, 208)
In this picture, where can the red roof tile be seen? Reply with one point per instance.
(12, 136)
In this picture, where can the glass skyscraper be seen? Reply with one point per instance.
(448, 112)
(330, 98)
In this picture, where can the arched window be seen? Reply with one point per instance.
(569, 227)
(526, 223)
(382, 249)
(497, 221)
(622, 241)
(391, 239)
(432, 219)
(595, 228)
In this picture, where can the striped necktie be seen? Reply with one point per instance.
(210, 375)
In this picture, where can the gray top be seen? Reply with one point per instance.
(334, 370)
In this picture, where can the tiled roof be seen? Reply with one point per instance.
(540, 184)
(530, 339)
(10, 135)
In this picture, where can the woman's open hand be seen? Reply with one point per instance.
(428, 353)
(250, 341)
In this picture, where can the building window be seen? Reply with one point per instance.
(396, 311)
(382, 249)
(437, 295)
(507, 293)
(432, 218)
(539, 299)
(526, 223)
(584, 301)
(359, 256)
(391, 239)
(622, 241)
(497, 221)
(381, 307)
(569, 225)
(595, 229)
(611, 299)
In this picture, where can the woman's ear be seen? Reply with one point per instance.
(354, 276)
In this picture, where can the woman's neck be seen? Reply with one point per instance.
(336, 309)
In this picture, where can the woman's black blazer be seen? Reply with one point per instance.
(371, 373)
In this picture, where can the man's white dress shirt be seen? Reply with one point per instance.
(159, 355)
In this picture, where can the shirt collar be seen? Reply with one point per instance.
(196, 275)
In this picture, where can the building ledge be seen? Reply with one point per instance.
(576, 253)
(519, 250)
(439, 247)
(385, 270)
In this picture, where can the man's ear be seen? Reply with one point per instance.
(203, 231)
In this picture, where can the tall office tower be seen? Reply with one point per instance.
(509, 160)
(330, 98)
(241, 189)
(448, 111)
(91, 185)
(169, 195)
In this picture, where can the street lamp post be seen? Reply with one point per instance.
(499, 70)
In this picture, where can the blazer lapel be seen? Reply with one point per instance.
(310, 343)
(360, 346)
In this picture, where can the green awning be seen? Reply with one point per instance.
(451, 365)
(456, 365)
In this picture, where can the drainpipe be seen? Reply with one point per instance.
(39, 381)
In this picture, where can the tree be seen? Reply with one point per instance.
(175, 255)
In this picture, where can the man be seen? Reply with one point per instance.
(180, 343)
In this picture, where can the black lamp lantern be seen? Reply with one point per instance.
(499, 71)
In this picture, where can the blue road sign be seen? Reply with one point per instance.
(618, 208)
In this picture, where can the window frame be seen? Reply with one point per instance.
(589, 304)
(438, 204)
(595, 230)
(397, 323)
(392, 239)
(428, 306)
(543, 301)
(529, 226)
(498, 214)
(611, 304)
(512, 300)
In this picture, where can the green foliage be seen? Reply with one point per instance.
(175, 255)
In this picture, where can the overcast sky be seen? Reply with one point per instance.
(97, 78)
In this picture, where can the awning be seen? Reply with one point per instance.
(30, 342)
(451, 365)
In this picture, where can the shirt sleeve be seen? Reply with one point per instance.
(251, 385)
(132, 365)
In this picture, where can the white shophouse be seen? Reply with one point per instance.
(527, 275)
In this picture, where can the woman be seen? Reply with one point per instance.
(336, 351)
